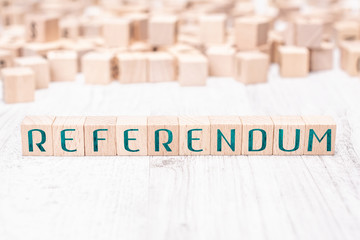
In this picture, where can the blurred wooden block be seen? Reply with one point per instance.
(131, 136)
(68, 136)
(346, 30)
(289, 135)
(13, 15)
(40, 67)
(294, 61)
(96, 67)
(81, 47)
(162, 30)
(69, 28)
(161, 67)
(40, 49)
(194, 136)
(63, 65)
(349, 57)
(251, 67)
(42, 28)
(212, 28)
(116, 32)
(309, 33)
(90, 28)
(36, 136)
(6, 59)
(257, 135)
(18, 84)
(139, 26)
(276, 40)
(132, 67)
(15, 46)
(322, 58)
(192, 69)
(100, 136)
(226, 134)
(251, 32)
(221, 61)
(320, 134)
(163, 136)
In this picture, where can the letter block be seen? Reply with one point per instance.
(320, 133)
(40, 67)
(68, 136)
(226, 135)
(294, 61)
(194, 136)
(97, 67)
(36, 136)
(161, 67)
(251, 32)
(212, 28)
(131, 136)
(116, 32)
(221, 61)
(163, 136)
(251, 67)
(162, 30)
(289, 135)
(322, 58)
(193, 69)
(257, 135)
(132, 67)
(63, 65)
(100, 136)
(42, 28)
(6, 58)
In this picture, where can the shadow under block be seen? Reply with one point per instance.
(212, 28)
(40, 67)
(251, 67)
(221, 61)
(289, 135)
(194, 136)
(36, 136)
(100, 136)
(192, 69)
(161, 67)
(6, 59)
(350, 57)
(322, 58)
(68, 136)
(63, 65)
(226, 135)
(251, 32)
(294, 61)
(131, 136)
(257, 135)
(162, 30)
(309, 33)
(132, 67)
(96, 67)
(320, 134)
(163, 136)
(18, 84)
(42, 28)
(116, 32)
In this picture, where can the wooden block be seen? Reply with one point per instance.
(251, 32)
(81, 47)
(192, 69)
(309, 33)
(90, 28)
(221, 61)
(194, 136)
(13, 15)
(276, 40)
(226, 135)
(251, 67)
(212, 28)
(97, 67)
(350, 57)
(257, 135)
(289, 135)
(116, 32)
(163, 136)
(68, 136)
(162, 30)
(139, 26)
(6, 59)
(60, 61)
(320, 134)
(40, 49)
(36, 136)
(69, 28)
(161, 67)
(322, 58)
(131, 136)
(100, 136)
(40, 67)
(132, 67)
(294, 61)
(346, 30)
(42, 28)
(18, 84)
(15, 46)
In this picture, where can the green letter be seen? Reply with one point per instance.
(328, 139)
(251, 140)
(220, 135)
(281, 141)
(166, 145)
(126, 140)
(63, 139)
(31, 142)
(190, 139)
(96, 139)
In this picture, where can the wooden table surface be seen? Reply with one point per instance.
(212, 197)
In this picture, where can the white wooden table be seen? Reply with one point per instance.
(300, 197)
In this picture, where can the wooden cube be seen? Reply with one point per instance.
(131, 136)
(81, 47)
(13, 15)
(100, 136)
(18, 84)
(162, 30)
(161, 67)
(221, 61)
(36, 136)
(63, 65)
(69, 28)
(212, 28)
(251, 67)
(346, 30)
(322, 58)
(226, 135)
(194, 135)
(139, 26)
(116, 32)
(163, 136)
(68, 136)
(309, 33)
(90, 27)
(294, 61)
(257, 135)
(276, 40)
(132, 67)
(289, 135)
(40, 49)
(192, 69)
(40, 67)
(350, 55)
(97, 67)
(42, 28)
(6, 59)
(251, 32)
(14, 46)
